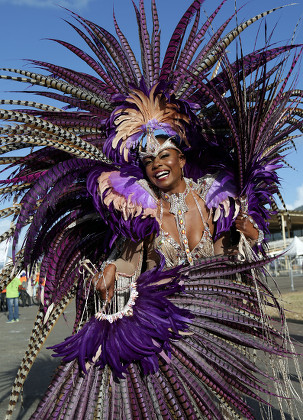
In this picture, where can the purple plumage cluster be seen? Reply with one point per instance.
(130, 189)
(124, 184)
(142, 337)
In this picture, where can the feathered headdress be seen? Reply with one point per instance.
(141, 114)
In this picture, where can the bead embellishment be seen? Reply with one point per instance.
(177, 202)
(260, 232)
(178, 208)
(174, 251)
(126, 311)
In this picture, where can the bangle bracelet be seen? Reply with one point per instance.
(260, 232)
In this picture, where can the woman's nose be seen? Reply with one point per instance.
(156, 163)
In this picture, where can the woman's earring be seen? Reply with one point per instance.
(182, 173)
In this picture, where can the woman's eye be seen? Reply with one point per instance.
(165, 155)
(147, 162)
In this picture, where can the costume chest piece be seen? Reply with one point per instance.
(178, 208)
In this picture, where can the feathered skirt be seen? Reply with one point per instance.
(198, 342)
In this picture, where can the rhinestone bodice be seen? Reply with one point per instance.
(176, 253)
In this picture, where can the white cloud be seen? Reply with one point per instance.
(71, 4)
(298, 201)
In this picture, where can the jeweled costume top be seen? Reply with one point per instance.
(173, 252)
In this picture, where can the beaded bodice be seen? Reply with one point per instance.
(176, 253)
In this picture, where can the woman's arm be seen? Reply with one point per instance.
(223, 244)
(128, 265)
(246, 226)
(105, 282)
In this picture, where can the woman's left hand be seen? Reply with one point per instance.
(244, 225)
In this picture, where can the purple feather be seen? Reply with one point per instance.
(154, 322)
(176, 40)
(134, 228)
(129, 188)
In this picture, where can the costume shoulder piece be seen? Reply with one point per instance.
(220, 195)
(125, 202)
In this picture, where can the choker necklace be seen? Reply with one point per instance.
(177, 202)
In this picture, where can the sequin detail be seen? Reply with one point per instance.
(180, 254)
(175, 255)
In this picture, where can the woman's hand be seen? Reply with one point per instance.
(105, 284)
(244, 225)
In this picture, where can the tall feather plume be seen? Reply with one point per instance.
(175, 43)
(130, 55)
(147, 50)
(155, 43)
(218, 49)
(192, 45)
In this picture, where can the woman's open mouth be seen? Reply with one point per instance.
(162, 175)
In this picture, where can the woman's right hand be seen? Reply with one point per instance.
(105, 284)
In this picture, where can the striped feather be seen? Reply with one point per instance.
(111, 77)
(175, 42)
(129, 52)
(50, 82)
(113, 47)
(78, 79)
(147, 50)
(155, 43)
(216, 52)
(40, 333)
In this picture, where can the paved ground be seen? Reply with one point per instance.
(284, 283)
(13, 342)
(14, 338)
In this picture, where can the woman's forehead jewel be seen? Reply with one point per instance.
(157, 147)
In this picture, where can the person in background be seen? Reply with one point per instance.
(35, 288)
(36, 284)
(12, 299)
(23, 280)
(3, 305)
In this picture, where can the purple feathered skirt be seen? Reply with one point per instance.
(198, 344)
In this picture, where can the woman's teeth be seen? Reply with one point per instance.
(162, 174)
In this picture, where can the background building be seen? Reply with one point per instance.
(284, 227)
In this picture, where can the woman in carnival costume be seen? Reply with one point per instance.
(148, 204)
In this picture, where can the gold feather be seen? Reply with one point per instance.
(129, 121)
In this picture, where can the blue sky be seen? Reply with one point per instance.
(26, 25)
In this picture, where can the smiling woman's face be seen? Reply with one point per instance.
(165, 170)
